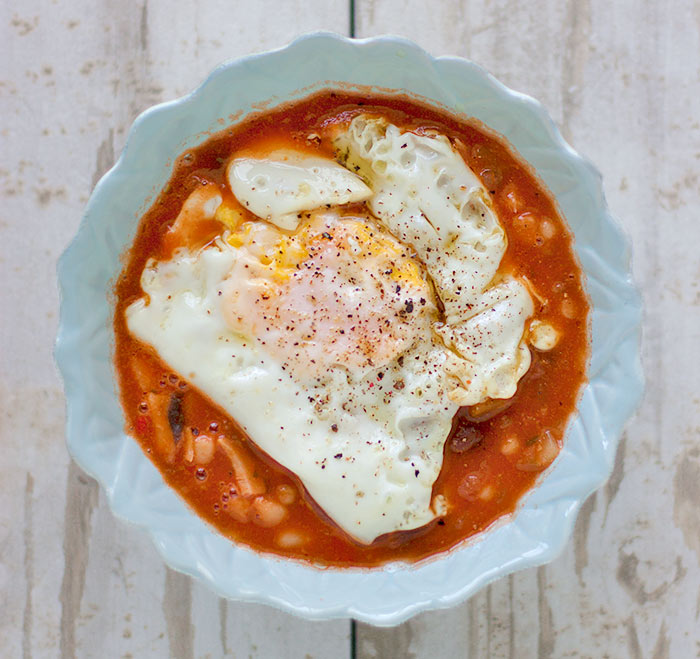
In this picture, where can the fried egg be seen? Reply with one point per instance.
(425, 195)
(320, 347)
(285, 182)
(344, 342)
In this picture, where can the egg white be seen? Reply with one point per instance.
(368, 454)
(285, 182)
(426, 195)
(366, 441)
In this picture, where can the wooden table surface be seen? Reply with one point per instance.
(622, 80)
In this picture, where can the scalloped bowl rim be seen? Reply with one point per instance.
(535, 534)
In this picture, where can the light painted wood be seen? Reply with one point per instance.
(74, 581)
(621, 79)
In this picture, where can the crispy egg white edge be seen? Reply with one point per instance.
(427, 196)
(277, 190)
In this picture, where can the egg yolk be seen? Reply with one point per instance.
(340, 291)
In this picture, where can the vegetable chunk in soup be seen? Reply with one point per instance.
(351, 330)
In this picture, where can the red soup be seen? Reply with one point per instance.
(497, 445)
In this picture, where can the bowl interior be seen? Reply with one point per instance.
(135, 490)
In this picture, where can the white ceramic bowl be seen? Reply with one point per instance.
(543, 522)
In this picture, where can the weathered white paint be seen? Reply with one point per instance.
(75, 582)
(621, 79)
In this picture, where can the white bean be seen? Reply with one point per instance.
(543, 336)
(487, 493)
(568, 308)
(510, 445)
(286, 494)
(266, 513)
(204, 448)
(540, 454)
(238, 508)
(290, 538)
(547, 229)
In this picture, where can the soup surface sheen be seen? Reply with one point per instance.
(495, 449)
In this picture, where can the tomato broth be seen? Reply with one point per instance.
(496, 450)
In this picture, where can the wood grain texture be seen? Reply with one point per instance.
(75, 582)
(621, 79)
